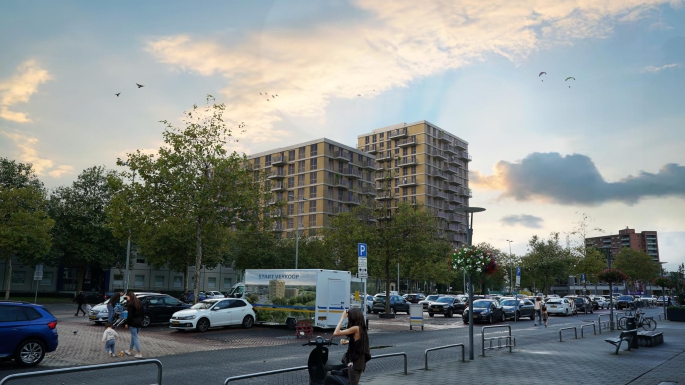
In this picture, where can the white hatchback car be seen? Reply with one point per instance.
(214, 312)
(559, 306)
(214, 294)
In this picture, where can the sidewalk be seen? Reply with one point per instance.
(588, 360)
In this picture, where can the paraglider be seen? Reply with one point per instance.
(542, 73)
(570, 77)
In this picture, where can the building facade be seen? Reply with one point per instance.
(646, 241)
(422, 163)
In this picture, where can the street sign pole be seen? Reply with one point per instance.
(37, 276)
(362, 271)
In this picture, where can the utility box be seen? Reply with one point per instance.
(415, 316)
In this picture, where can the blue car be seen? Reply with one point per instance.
(27, 332)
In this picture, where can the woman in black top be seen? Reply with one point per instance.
(134, 322)
(358, 352)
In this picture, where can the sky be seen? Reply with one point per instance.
(546, 150)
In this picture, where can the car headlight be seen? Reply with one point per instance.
(186, 317)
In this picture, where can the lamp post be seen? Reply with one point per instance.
(471, 210)
(297, 227)
(663, 289)
(511, 290)
(611, 292)
(128, 242)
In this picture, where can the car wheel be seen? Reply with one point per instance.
(490, 320)
(98, 323)
(202, 325)
(290, 323)
(518, 315)
(375, 312)
(29, 353)
(368, 309)
(585, 310)
(566, 314)
(147, 320)
(466, 321)
(430, 314)
(248, 321)
(504, 317)
(449, 313)
(392, 310)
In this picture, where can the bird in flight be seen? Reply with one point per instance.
(272, 96)
(260, 93)
(267, 100)
(140, 85)
(117, 94)
(358, 95)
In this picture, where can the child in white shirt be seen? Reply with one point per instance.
(108, 338)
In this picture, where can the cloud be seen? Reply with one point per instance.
(395, 44)
(29, 154)
(19, 88)
(524, 220)
(574, 179)
(654, 69)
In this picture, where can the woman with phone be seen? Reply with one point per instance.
(358, 352)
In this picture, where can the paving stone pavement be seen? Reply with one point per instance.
(588, 360)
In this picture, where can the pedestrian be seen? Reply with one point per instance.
(111, 304)
(669, 301)
(134, 322)
(109, 338)
(358, 352)
(545, 315)
(80, 299)
(538, 310)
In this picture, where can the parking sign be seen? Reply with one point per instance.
(361, 250)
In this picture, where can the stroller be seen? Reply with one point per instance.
(120, 316)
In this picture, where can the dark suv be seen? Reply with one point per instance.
(445, 306)
(397, 304)
(415, 298)
(160, 308)
(625, 302)
(27, 332)
(582, 304)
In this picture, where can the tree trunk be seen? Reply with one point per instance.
(9, 275)
(198, 261)
(186, 276)
(387, 283)
(81, 278)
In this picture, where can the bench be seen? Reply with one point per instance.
(650, 339)
(627, 336)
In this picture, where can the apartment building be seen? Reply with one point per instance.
(420, 162)
(644, 241)
(315, 179)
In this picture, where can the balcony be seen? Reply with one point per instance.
(407, 161)
(278, 186)
(367, 190)
(450, 207)
(438, 153)
(449, 149)
(465, 192)
(368, 164)
(383, 156)
(407, 142)
(443, 137)
(461, 144)
(338, 182)
(464, 155)
(458, 238)
(277, 160)
(451, 169)
(340, 210)
(398, 133)
(276, 174)
(383, 175)
(351, 172)
(278, 227)
(451, 188)
(439, 174)
(456, 161)
(384, 195)
(407, 181)
(371, 148)
(353, 200)
(441, 195)
(342, 154)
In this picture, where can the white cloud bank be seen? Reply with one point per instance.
(653, 69)
(19, 88)
(29, 154)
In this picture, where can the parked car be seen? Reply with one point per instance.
(99, 313)
(27, 332)
(561, 306)
(414, 298)
(97, 296)
(649, 299)
(582, 304)
(212, 313)
(160, 307)
(429, 299)
(625, 302)
(397, 304)
(188, 297)
(601, 302)
(444, 306)
(517, 307)
(486, 310)
(460, 304)
(214, 294)
(660, 301)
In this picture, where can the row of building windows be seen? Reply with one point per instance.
(159, 281)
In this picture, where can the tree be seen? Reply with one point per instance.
(546, 260)
(589, 260)
(346, 230)
(81, 235)
(194, 182)
(24, 224)
(637, 265)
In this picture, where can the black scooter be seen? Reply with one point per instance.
(318, 370)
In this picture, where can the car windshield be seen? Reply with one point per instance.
(509, 302)
(625, 298)
(445, 300)
(432, 297)
(578, 300)
(554, 301)
(481, 304)
(203, 305)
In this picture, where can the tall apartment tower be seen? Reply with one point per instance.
(315, 179)
(644, 241)
(420, 162)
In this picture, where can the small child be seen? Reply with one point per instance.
(108, 338)
(545, 316)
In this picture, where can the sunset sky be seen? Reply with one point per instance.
(610, 143)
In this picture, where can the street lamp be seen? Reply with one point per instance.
(663, 289)
(471, 210)
(297, 228)
(128, 242)
(510, 269)
(611, 291)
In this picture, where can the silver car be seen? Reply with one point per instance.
(99, 313)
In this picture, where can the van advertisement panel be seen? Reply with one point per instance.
(279, 294)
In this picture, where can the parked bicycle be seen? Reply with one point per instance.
(647, 323)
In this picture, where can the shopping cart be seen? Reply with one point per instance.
(120, 316)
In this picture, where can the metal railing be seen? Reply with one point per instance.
(51, 372)
(594, 329)
(298, 368)
(599, 321)
(463, 356)
(575, 331)
(510, 340)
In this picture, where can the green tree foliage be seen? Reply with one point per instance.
(546, 261)
(348, 229)
(637, 265)
(24, 223)
(194, 183)
(81, 236)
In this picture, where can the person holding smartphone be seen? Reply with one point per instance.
(358, 352)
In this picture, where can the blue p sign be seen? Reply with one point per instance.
(518, 271)
(361, 250)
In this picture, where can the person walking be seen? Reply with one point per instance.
(109, 338)
(545, 315)
(358, 352)
(111, 304)
(134, 322)
(538, 310)
(80, 299)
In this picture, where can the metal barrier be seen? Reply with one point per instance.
(51, 372)
(594, 329)
(510, 340)
(617, 317)
(599, 321)
(297, 368)
(463, 357)
(575, 330)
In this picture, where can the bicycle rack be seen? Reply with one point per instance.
(575, 330)
(599, 321)
(510, 341)
(463, 357)
(594, 329)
